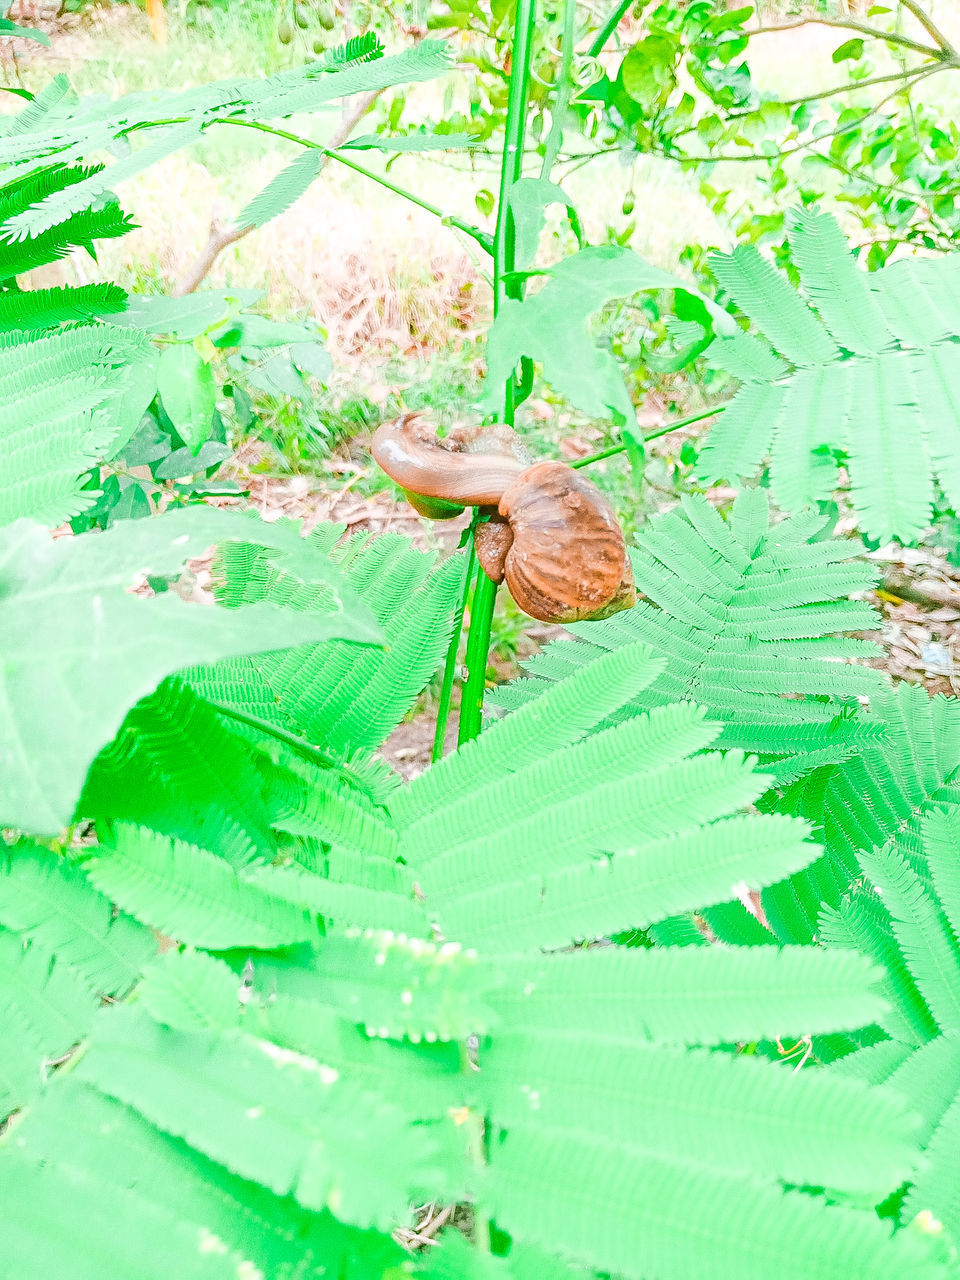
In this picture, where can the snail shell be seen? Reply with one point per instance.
(567, 560)
(550, 532)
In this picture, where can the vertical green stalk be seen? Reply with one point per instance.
(504, 257)
(609, 27)
(450, 665)
(561, 101)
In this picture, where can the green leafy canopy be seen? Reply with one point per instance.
(261, 998)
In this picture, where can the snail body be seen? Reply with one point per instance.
(549, 532)
(471, 467)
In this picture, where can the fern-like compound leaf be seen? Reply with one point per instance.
(366, 47)
(291, 92)
(61, 405)
(332, 693)
(882, 792)
(564, 715)
(904, 913)
(767, 1122)
(19, 254)
(298, 1067)
(573, 1192)
(192, 894)
(743, 614)
(47, 899)
(179, 1208)
(282, 191)
(179, 767)
(873, 374)
(141, 1246)
(48, 308)
(191, 990)
(46, 1007)
(281, 1118)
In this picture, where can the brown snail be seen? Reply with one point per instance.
(549, 531)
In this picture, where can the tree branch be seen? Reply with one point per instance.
(930, 27)
(891, 37)
(906, 74)
(221, 237)
(783, 153)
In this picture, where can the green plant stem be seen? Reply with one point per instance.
(481, 644)
(504, 259)
(652, 435)
(450, 665)
(478, 648)
(608, 28)
(511, 165)
(314, 754)
(449, 219)
(564, 86)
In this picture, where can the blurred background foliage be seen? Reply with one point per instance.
(688, 127)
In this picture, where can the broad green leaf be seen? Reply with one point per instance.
(529, 199)
(69, 622)
(187, 317)
(648, 70)
(550, 326)
(136, 390)
(188, 391)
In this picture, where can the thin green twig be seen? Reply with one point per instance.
(450, 665)
(564, 87)
(652, 435)
(449, 219)
(608, 28)
(316, 755)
